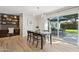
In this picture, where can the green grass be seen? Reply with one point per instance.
(71, 30)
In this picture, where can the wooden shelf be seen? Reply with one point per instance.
(7, 21)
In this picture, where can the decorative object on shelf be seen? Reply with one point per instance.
(5, 16)
(10, 19)
(16, 20)
(15, 17)
(3, 22)
(13, 22)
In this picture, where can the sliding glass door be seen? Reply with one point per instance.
(65, 28)
(70, 28)
(54, 27)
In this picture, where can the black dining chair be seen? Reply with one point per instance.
(36, 37)
(29, 36)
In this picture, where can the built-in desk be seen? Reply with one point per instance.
(4, 33)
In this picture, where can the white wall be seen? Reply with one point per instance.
(23, 24)
(32, 23)
(41, 22)
(27, 22)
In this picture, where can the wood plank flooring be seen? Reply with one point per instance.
(14, 44)
(20, 44)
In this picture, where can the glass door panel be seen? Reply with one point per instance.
(54, 28)
(65, 28)
(69, 28)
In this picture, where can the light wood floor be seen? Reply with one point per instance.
(20, 44)
(14, 44)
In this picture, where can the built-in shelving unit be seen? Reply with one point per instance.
(9, 20)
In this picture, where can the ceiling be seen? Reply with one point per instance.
(29, 10)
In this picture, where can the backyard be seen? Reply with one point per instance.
(70, 33)
(71, 30)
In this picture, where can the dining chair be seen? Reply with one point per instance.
(36, 37)
(10, 32)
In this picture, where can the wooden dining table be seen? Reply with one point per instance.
(48, 34)
(42, 35)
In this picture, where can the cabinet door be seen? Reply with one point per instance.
(17, 31)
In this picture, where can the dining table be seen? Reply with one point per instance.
(49, 34)
(43, 35)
